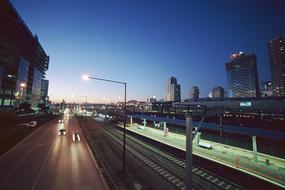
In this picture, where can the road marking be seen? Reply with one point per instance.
(40, 144)
(42, 167)
(24, 157)
(26, 144)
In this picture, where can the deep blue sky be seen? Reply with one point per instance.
(146, 42)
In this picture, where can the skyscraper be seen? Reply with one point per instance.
(242, 76)
(23, 61)
(276, 49)
(218, 92)
(173, 90)
(194, 92)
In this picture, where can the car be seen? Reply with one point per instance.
(60, 121)
(29, 124)
(33, 123)
(61, 132)
(75, 137)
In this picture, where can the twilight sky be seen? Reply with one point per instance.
(144, 42)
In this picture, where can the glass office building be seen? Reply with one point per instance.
(242, 76)
(23, 61)
(173, 90)
(37, 86)
(22, 79)
(276, 49)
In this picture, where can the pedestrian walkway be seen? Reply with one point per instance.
(268, 167)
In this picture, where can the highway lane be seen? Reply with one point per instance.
(45, 160)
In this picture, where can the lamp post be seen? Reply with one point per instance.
(22, 86)
(82, 106)
(86, 77)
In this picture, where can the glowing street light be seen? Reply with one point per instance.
(85, 78)
(22, 84)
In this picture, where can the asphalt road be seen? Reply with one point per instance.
(45, 160)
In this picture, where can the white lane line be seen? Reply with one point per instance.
(21, 142)
(26, 144)
(21, 160)
(40, 144)
(42, 167)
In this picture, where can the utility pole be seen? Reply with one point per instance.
(189, 125)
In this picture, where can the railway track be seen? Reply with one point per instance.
(165, 164)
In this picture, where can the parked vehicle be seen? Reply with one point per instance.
(29, 124)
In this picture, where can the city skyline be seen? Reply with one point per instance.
(151, 42)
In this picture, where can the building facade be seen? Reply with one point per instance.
(242, 76)
(194, 92)
(276, 49)
(173, 90)
(153, 99)
(23, 61)
(218, 92)
(44, 93)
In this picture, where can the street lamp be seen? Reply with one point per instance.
(22, 86)
(85, 110)
(86, 77)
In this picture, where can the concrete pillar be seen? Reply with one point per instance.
(164, 125)
(189, 134)
(144, 122)
(221, 126)
(131, 121)
(254, 148)
(197, 138)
